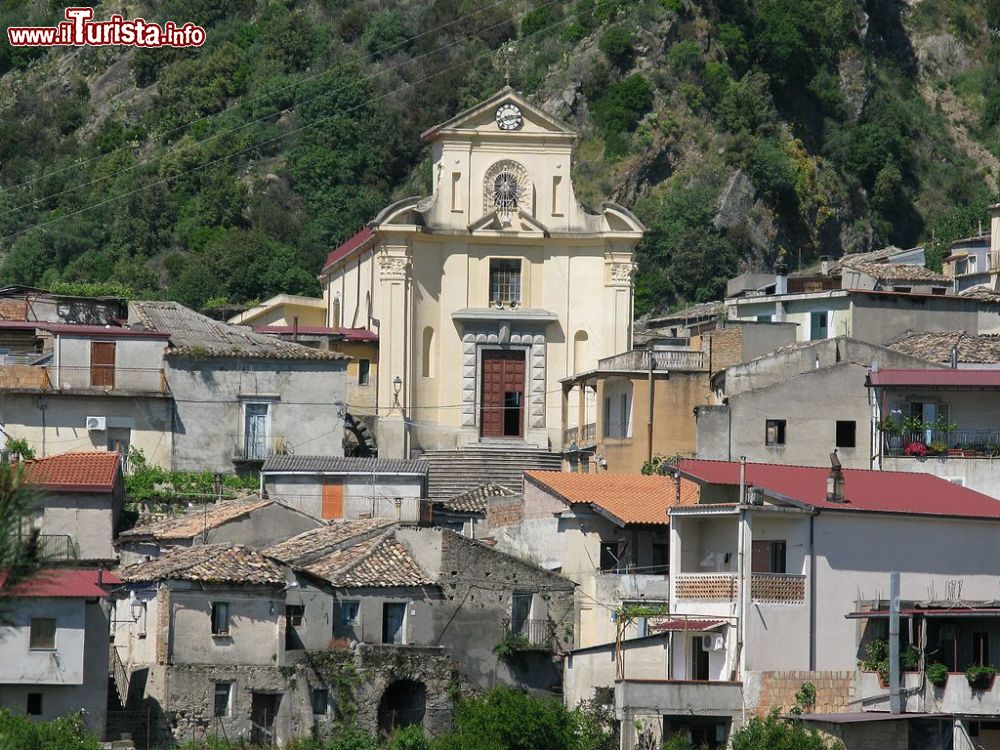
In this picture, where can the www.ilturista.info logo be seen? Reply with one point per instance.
(79, 30)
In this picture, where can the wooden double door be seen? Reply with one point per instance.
(502, 393)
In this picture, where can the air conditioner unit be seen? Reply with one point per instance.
(97, 424)
(712, 642)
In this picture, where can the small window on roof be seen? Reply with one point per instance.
(774, 432)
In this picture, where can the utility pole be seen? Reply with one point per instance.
(894, 700)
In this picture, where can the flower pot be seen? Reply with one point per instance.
(982, 683)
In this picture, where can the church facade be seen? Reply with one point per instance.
(488, 292)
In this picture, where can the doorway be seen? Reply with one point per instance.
(393, 615)
(263, 707)
(502, 397)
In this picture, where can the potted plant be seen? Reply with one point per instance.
(915, 449)
(937, 674)
(980, 677)
(937, 448)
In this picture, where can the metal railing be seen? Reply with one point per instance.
(120, 676)
(968, 443)
(106, 378)
(51, 546)
(538, 633)
(586, 434)
(256, 448)
(626, 569)
(665, 359)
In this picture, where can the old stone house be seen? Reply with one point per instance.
(54, 645)
(253, 521)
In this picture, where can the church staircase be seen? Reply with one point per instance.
(452, 472)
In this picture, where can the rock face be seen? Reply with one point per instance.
(854, 82)
(941, 56)
(735, 201)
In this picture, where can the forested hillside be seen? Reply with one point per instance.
(738, 131)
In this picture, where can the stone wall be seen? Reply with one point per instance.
(504, 511)
(834, 691)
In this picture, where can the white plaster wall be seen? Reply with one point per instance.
(60, 666)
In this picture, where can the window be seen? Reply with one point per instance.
(520, 611)
(768, 556)
(223, 698)
(392, 622)
(764, 318)
(699, 660)
(774, 432)
(320, 701)
(610, 556)
(902, 289)
(939, 290)
(220, 618)
(505, 281)
(846, 433)
(349, 611)
(34, 707)
(972, 263)
(364, 371)
(42, 634)
(607, 416)
(293, 614)
(255, 424)
(818, 325)
(981, 648)
(507, 190)
(661, 555)
(626, 412)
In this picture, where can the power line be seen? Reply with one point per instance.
(254, 122)
(261, 97)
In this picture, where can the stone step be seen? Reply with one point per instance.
(454, 471)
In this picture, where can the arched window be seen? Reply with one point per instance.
(507, 188)
(427, 363)
(506, 192)
(580, 341)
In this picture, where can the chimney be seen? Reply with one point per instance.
(954, 356)
(835, 480)
(335, 312)
(994, 229)
(780, 278)
(295, 328)
(824, 265)
(100, 576)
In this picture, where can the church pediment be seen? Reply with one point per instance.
(521, 222)
(506, 112)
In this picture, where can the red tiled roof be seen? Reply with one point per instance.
(864, 490)
(348, 247)
(685, 624)
(628, 498)
(65, 582)
(945, 377)
(349, 334)
(78, 472)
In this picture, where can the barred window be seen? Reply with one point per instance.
(506, 191)
(505, 281)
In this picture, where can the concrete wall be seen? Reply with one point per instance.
(306, 398)
(588, 670)
(256, 617)
(979, 474)
(418, 627)
(89, 519)
(131, 352)
(364, 495)
(142, 422)
(318, 617)
(262, 527)
(74, 677)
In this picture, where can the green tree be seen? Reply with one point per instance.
(505, 719)
(772, 733)
(20, 556)
(616, 44)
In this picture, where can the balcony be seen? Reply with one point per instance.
(705, 587)
(642, 359)
(539, 635)
(954, 444)
(586, 435)
(678, 696)
(52, 547)
(769, 588)
(257, 447)
(919, 696)
(98, 379)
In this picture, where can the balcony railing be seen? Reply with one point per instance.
(581, 436)
(258, 448)
(666, 359)
(967, 443)
(540, 634)
(53, 546)
(107, 379)
(705, 587)
(777, 588)
(403, 509)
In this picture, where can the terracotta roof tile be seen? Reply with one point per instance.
(474, 500)
(209, 563)
(194, 521)
(77, 472)
(895, 271)
(628, 498)
(310, 545)
(936, 346)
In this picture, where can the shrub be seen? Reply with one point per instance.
(915, 449)
(937, 674)
(624, 104)
(978, 675)
(771, 732)
(20, 447)
(616, 44)
(938, 447)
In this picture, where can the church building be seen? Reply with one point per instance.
(490, 290)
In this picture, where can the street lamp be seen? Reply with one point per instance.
(397, 386)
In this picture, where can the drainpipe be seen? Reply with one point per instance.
(812, 592)
(740, 573)
(649, 417)
(894, 700)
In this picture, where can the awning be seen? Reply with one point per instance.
(929, 612)
(687, 624)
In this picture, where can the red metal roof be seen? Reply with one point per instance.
(75, 472)
(349, 334)
(942, 377)
(66, 582)
(930, 612)
(348, 247)
(685, 624)
(864, 490)
(80, 330)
